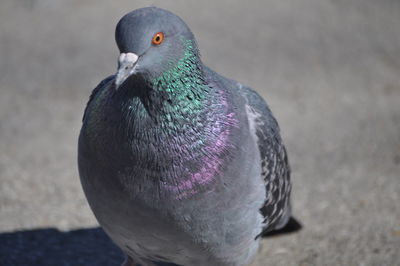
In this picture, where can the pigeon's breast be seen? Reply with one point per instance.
(215, 226)
(191, 197)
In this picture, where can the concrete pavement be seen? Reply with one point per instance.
(330, 71)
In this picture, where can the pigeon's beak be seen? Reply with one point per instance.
(126, 67)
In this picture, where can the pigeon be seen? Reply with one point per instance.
(180, 165)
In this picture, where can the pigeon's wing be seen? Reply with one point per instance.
(105, 82)
(274, 161)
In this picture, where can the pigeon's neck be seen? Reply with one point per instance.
(184, 126)
(184, 76)
(181, 89)
(178, 97)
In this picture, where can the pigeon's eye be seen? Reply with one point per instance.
(158, 38)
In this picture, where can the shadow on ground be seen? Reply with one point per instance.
(50, 246)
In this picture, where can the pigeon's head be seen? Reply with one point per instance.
(151, 40)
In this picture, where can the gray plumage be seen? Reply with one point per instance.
(179, 164)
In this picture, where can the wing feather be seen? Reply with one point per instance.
(274, 162)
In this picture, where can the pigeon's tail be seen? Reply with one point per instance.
(291, 226)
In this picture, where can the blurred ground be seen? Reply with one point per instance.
(330, 71)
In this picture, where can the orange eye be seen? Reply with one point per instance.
(158, 38)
